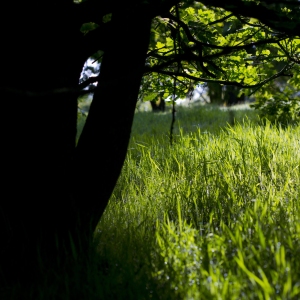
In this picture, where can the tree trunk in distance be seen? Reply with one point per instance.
(231, 95)
(158, 105)
(215, 93)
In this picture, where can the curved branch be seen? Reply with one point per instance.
(258, 11)
(87, 82)
(228, 82)
(189, 56)
(220, 20)
(247, 23)
(191, 38)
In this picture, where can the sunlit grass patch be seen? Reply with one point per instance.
(215, 216)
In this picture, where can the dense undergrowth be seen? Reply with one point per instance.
(214, 216)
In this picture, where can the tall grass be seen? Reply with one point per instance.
(214, 216)
(189, 118)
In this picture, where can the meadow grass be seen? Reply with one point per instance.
(214, 216)
(189, 118)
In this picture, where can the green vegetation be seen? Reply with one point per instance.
(189, 119)
(279, 105)
(197, 43)
(215, 216)
(169, 199)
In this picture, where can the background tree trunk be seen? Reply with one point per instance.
(228, 96)
(158, 105)
(215, 93)
(231, 95)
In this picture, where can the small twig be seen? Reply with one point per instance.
(175, 77)
(227, 82)
(87, 82)
(98, 58)
(173, 113)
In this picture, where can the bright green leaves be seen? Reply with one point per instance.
(204, 44)
(169, 42)
(150, 97)
(236, 58)
(265, 52)
(221, 40)
(190, 13)
(160, 45)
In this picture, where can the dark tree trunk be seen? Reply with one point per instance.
(158, 105)
(215, 93)
(231, 95)
(38, 55)
(102, 146)
(49, 188)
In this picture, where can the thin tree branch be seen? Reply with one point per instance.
(220, 20)
(87, 82)
(191, 38)
(227, 82)
(188, 55)
(259, 11)
(297, 61)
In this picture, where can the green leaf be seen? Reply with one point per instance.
(87, 27)
(150, 97)
(106, 18)
(266, 52)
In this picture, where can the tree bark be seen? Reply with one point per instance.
(39, 54)
(103, 143)
(50, 189)
(215, 93)
(231, 95)
(158, 105)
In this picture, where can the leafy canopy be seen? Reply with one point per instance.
(197, 44)
(244, 43)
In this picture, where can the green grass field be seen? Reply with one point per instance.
(214, 216)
